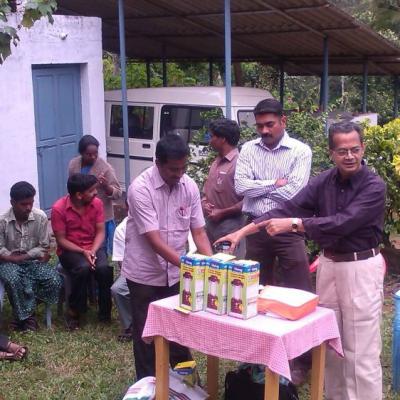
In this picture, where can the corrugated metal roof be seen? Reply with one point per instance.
(273, 31)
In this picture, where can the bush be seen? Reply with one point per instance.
(383, 156)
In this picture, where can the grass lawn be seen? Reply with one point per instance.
(92, 364)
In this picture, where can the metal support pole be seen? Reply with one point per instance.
(321, 91)
(148, 74)
(211, 73)
(228, 59)
(395, 96)
(281, 83)
(164, 68)
(121, 24)
(365, 87)
(325, 76)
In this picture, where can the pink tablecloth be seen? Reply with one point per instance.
(262, 340)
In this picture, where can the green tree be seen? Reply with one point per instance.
(32, 11)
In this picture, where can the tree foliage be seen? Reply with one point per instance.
(31, 12)
(383, 155)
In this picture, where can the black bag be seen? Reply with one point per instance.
(239, 386)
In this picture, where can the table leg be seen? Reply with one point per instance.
(162, 367)
(317, 371)
(212, 377)
(271, 391)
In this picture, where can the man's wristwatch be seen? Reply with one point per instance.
(295, 224)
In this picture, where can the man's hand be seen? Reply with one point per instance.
(91, 257)
(207, 207)
(281, 182)
(233, 238)
(275, 226)
(45, 258)
(17, 258)
(216, 215)
(102, 179)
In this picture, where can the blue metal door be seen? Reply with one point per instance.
(58, 124)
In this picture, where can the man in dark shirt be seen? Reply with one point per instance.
(222, 207)
(342, 209)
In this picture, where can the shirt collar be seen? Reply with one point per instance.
(230, 156)
(69, 204)
(354, 180)
(284, 142)
(158, 181)
(11, 216)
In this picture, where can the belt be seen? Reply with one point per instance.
(250, 217)
(356, 256)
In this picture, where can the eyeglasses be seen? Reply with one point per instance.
(344, 152)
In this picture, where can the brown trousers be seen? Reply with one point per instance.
(289, 249)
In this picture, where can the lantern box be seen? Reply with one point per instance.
(215, 291)
(191, 285)
(243, 281)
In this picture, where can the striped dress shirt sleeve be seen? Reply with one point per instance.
(258, 168)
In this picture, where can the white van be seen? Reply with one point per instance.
(155, 112)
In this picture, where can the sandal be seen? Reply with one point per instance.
(30, 324)
(71, 322)
(125, 336)
(16, 325)
(14, 352)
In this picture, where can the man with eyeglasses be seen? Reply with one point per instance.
(269, 171)
(342, 209)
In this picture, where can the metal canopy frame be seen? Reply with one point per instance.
(300, 37)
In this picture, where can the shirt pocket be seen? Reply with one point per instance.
(182, 220)
(220, 183)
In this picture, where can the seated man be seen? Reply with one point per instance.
(78, 224)
(24, 253)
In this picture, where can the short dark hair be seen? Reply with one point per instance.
(87, 140)
(344, 127)
(171, 147)
(268, 106)
(226, 128)
(80, 182)
(22, 190)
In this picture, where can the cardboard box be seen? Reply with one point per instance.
(286, 302)
(216, 275)
(243, 281)
(191, 287)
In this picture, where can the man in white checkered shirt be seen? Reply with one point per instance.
(269, 171)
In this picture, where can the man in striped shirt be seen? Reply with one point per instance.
(269, 171)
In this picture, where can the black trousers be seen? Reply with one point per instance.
(79, 271)
(290, 250)
(3, 342)
(141, 297)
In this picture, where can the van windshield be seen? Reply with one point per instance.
(190, 122)
(246, 118)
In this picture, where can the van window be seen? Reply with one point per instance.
(140, 122)
(246, 118)
(185, 121)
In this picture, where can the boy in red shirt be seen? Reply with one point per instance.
(78, 224)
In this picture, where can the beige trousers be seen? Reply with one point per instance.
(354, 290)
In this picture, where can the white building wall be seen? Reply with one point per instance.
(70, 40)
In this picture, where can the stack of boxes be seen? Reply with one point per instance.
(219, 285)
